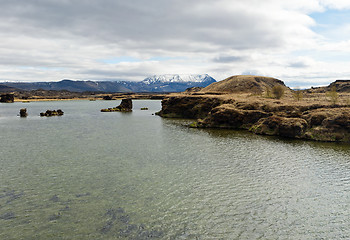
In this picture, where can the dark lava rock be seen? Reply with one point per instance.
(23, 112)
(188, 107)
(50, 113)
(107, 97)
(125, 106)
(227, 116)
(7, 98)
(281, 126)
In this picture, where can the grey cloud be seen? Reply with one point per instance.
(161, 24)
(229, 59)
(299, 64)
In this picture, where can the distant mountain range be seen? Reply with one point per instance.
(156, 83)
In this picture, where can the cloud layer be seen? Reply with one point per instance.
(48, 40)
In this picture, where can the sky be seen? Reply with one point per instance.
(302, 42)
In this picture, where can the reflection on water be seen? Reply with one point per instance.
(93, 175)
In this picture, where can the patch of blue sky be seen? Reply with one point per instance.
(329, 20)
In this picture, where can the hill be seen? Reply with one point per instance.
(5, 88)
(244, 84)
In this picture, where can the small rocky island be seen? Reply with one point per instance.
(264, 105)
(125, 106)
(51, 113)
(23, 112)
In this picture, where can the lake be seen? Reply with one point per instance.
(93, 175)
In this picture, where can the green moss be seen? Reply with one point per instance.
(194, 125)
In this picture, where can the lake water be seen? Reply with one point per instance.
(93, 175)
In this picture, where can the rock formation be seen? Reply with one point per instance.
(23, 112)
(125, 106)
(107, 97)
(50, 113)
(313, 120)
(7, 98)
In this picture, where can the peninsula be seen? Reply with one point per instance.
(264, 105)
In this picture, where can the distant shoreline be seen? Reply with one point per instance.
(44, 95)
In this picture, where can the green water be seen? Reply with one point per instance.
(93, 175)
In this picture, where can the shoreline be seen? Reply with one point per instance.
(315, 117)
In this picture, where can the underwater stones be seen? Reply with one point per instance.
(79, 195)
(11, 196)
(54, 198)
(119, 222)
(125, 106)
(23, 112)
(7, 216)
(50, 113)
(54, 217)
(7, 98)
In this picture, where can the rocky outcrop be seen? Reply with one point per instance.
(315, 122)
(23, 112)
(281, 126)
(190, 107)
(51, 113)
(7, 98)
(107, 97)
(125, 106)
(228, 116)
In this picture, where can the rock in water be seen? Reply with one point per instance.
(23, 112)
(50, 113)
(125, 106)
(7, 98)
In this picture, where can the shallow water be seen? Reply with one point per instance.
(93, 175)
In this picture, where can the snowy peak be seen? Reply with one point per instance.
(179, 78)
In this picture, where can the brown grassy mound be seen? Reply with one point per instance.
(244, 84)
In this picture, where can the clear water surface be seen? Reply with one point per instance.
(93, 175)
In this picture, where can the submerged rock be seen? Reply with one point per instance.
(7, 216)
(125, 106)
(54, 217)
(50, 113)
(119, 222)
(55, 198)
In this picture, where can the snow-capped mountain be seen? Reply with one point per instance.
(157, 83)
(179, 78)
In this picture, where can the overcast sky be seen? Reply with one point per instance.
(302, 42)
